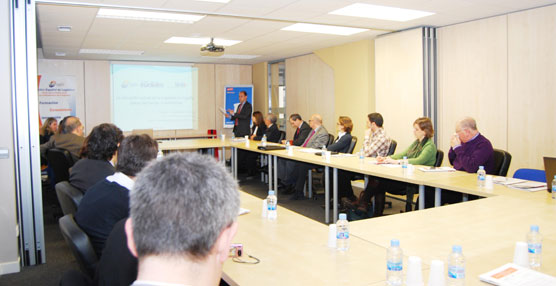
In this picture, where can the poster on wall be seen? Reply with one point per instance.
(231, 100)
(57, 95)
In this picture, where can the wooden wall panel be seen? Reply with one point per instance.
(472, 79)
(260, 86)
(531, 87)
(399, 83)
(309, 90)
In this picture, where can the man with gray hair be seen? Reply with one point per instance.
(69, 137)
(183, 212)
(272, 132)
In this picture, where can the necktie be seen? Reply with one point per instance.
(297, 132)
(309, 138)
(238, 111)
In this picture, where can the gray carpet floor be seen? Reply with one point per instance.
(59, 258)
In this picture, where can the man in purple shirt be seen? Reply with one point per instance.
(469, 150)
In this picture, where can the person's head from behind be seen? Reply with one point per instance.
(183, 211)
(242, 96)
(374, 121)
(466, 129)
(345, 124)
(71, 125)
(49, 126)
(315, 121)
(134, 154)
(295, 120)
(422, 128)
(270, 119)
(102, 143)
(258, 118)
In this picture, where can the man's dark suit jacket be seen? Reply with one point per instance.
(87, 172)
(304, 130)
(260, 131)
(272, 134)
(244, 120)
(341, 145)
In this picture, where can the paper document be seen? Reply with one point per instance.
(530, 186)
(437, 169)
(243, 211)
(222, 110)
(310, 150)
(506, 181)
(514, 275)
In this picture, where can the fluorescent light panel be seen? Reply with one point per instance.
(60, 54)
(215, 1)
(200, 41)
(323, 29)
(110, 52)
(64, 28)
(380, 12)
(148, 16)
(239, 57)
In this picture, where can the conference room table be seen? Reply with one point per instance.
(293, 250)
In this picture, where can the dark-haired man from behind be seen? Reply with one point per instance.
(180, 235)
(107, 201)
(69, 136)
(98, 152)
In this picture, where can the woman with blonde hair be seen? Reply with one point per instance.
(48, 129)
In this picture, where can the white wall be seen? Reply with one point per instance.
(9, 258)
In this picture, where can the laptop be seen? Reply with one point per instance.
(550, 170)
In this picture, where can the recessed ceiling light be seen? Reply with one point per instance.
(200, 41)
(64, 28)
(239, 57)
(380, 12)
(148, 16)
(60, 54)
(215, 1)
(110, 52)
(323, 29)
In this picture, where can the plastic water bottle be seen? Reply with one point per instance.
(288, 145)
(264, 140)
(405, 162)
(361, 155)
(159, 155)
(394, 264)
(342, 233)
(481, 176)
(554, 188)
(271, 202)
(534, 244)
(456, 267)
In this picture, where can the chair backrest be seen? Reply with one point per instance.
(530, 174)
(502, 160)
(68, 196)
(60, 161)
(352, 144)
(282, 136)
(79, 244)
(330, 139)
(439, 158)
(392, 148)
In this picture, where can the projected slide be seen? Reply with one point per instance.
(160, 97)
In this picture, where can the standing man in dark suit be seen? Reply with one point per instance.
(242, 116)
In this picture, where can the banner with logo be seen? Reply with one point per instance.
(57, 96)
(231, 100)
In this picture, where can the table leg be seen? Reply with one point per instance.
(234, 160)
(327, 197)
(437, 197)
(269, 171)
(276, 174)
(465, 197)
(310, 183)
(335, 192)
(421, 197)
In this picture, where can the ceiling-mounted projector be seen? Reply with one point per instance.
(212, 50)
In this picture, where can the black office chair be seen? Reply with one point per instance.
(392, 148)
(330, 139)
(74, 277)
(60, 161)
(352, 144)
(282, 136)
(79, 244)
(502, 160)
(69, 197)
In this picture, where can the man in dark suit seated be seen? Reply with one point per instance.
(180, 234)
(98, 152)
(272, 132)
(302, 130)
(107, 201)
(285, 167)
(69, 137)
(242, 116)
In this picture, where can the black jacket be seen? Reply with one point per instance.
(244, 120)
(341, 145)
(272, 134)
(304, 130)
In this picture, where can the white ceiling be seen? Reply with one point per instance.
(258, 26)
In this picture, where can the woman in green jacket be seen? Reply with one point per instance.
(421, 152)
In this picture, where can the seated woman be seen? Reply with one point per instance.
(259, 127)
(48, 129)
(421, 152)
(341, 145)
(249, 159)
(98, 150)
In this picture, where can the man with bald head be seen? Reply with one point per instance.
(69, 136)
(469, 149)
